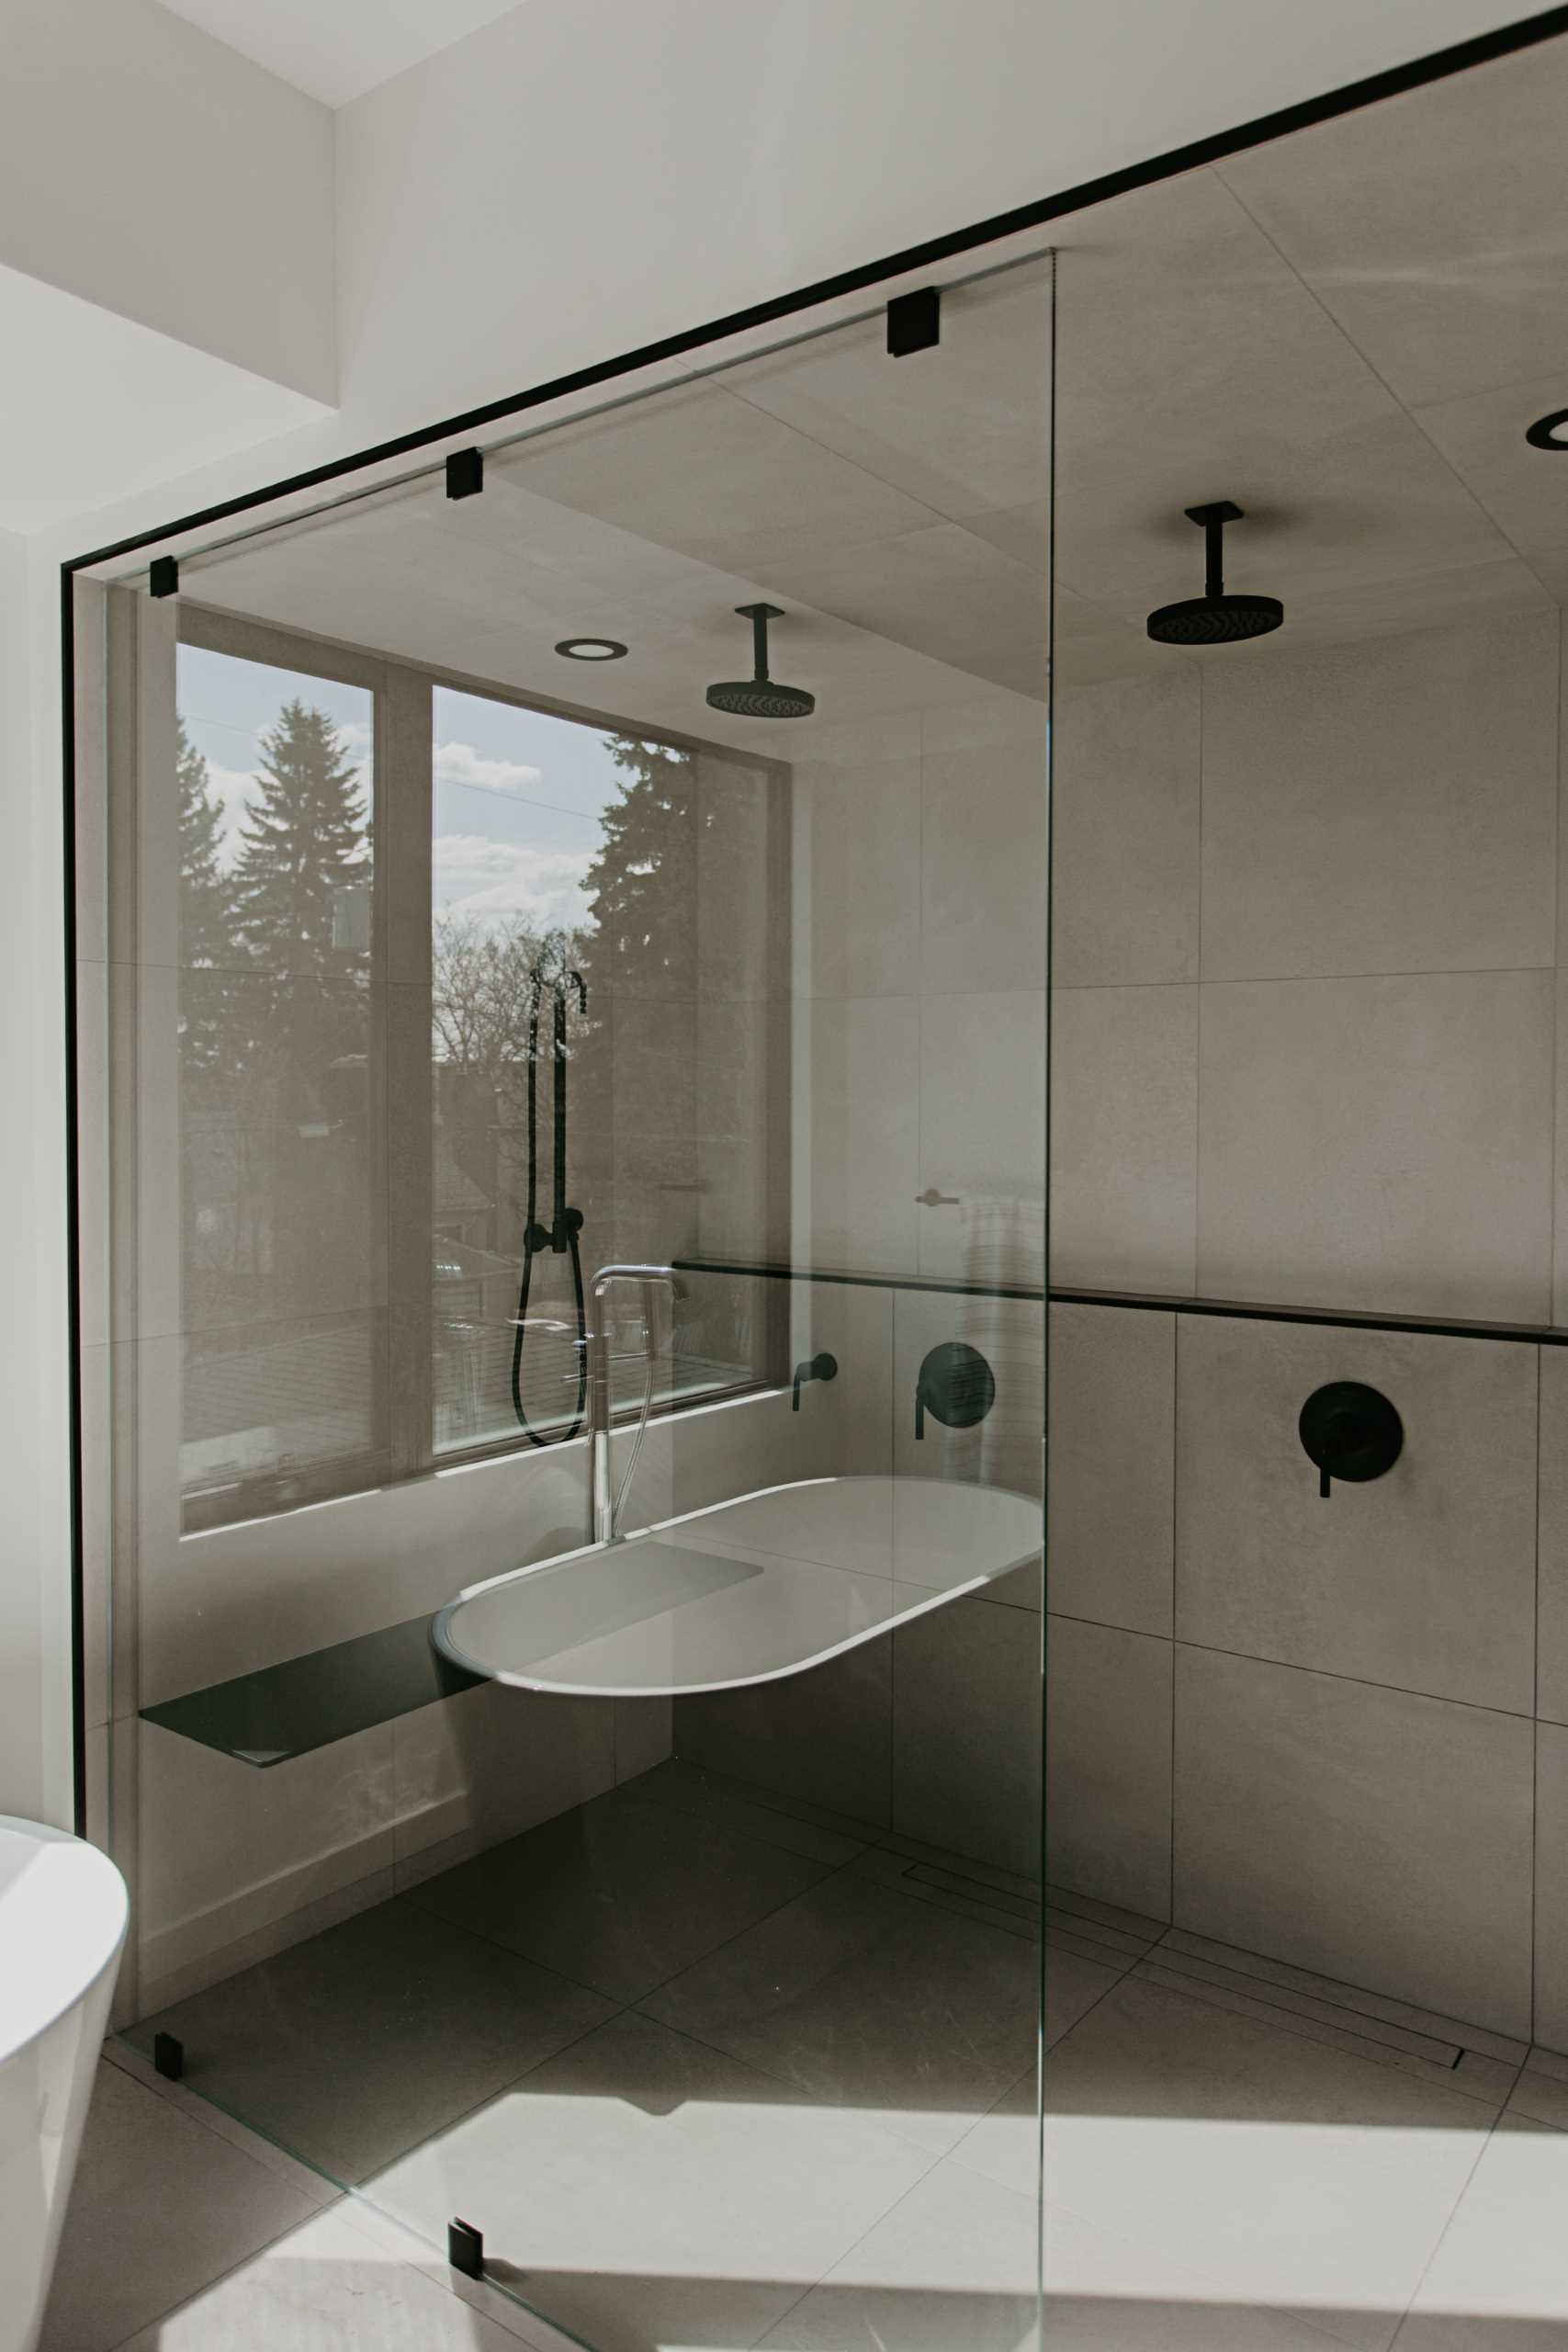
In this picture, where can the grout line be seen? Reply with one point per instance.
(1453, 2215)
(1362, 1681)
(1289, 979)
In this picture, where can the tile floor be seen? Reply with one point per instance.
(716, 2069)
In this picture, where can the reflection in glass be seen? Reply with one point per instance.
(277, 1267)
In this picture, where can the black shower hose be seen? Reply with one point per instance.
(534, 1239)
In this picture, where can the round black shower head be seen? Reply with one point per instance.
(1214, 618)
(761, 697)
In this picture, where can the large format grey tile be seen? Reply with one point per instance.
(983, 847)
(856, 809)
(736, 1805)
(1368, 1833)
(1278, 2169)
(966, 1732)
(1418, 229)
(1385, 807)
(619, 1894)
(1382, 1143)
(1499, 2281)
(352, 2047)
(954, 2263)
(1123, 1137)
(865, 1999)
(1124, 787)
(159, 2207)
(1109, 1497)
(826, 1736)
(1559, 1307)
(1552, 1885)
(982, 1128)
(1541, 2091)
(645, 2190)
(330, 2286)
(1424, 1577)
(1105, 2293)
(857, 1092)
(1552, 1624)
(1108, 1714)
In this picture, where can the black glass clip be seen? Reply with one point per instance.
(464, 473)
(169, 2056)
(163, 576)
(914, 322)
(465, 2248)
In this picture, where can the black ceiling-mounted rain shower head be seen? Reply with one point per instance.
(1214, 618)
(761, 697)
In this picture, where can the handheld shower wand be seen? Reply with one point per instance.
(560, 1235)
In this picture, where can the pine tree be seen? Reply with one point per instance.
(642, 885)
(205, 910)
(303, 845)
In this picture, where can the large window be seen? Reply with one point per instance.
(282, 1267)
(448, 1044)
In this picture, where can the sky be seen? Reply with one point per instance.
(519, 794)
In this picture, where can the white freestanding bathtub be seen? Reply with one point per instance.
(745, 1591)
(62, 1916)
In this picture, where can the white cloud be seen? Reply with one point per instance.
(460, 763)
(477, 876)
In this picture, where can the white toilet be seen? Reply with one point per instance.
(62, 1917)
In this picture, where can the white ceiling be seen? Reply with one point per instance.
(336, 49)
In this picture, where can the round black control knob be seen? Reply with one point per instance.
(1350, 1431)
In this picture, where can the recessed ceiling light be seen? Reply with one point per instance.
(1549, 432)
(590, 649)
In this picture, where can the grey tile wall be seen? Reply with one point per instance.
(1352, 851)
(1361, 1784)
(1107, 1785)
(1368, 1833)
(1422, 1579)
(1110, 1466)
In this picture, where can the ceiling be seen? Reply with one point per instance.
(336, 49)
(1347, 333)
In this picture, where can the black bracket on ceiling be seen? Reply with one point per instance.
(464, 473)
(169, 2056)
(914, 322)
(465, 2248)
(163, 576)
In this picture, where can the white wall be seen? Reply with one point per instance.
(569, 183)
(554, 189)
(34, 1623)
(152, 170)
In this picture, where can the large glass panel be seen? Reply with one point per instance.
(585, 1337)
(1306, 1407)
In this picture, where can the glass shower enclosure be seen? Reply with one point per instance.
(574, 929)
(574, 958)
